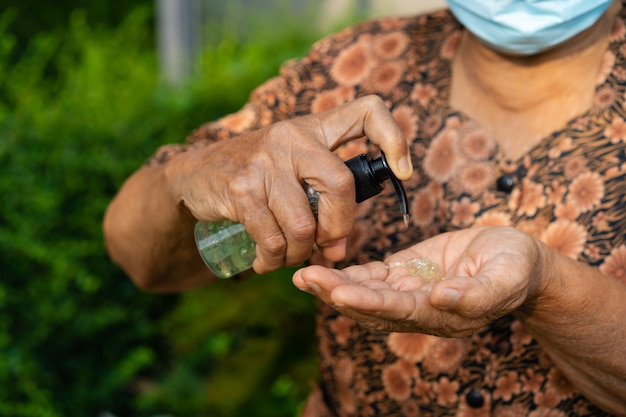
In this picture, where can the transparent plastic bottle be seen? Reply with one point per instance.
(227, 249)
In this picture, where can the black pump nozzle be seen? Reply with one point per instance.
(369, 174)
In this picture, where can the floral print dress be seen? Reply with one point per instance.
(569, 191)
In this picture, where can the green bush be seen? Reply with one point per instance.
(80, 109)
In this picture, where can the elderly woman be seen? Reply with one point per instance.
(506, 120)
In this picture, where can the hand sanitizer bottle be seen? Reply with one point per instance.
(227, 249)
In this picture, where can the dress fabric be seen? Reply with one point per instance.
(569, 191)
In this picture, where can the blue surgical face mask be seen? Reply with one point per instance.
(526, 27)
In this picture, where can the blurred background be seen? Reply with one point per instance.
(88, 90)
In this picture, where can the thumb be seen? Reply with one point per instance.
(463, 295)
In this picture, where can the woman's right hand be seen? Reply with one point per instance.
(257, 179)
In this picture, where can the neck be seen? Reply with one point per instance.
(523, 99)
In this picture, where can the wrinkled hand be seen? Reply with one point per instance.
(257, 179)
(489, 272)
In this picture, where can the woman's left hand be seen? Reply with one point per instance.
(488, 273)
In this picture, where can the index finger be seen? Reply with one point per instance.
(368, 116)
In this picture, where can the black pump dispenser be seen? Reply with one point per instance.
(369, 174)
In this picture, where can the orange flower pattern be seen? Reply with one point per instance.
(570, 192)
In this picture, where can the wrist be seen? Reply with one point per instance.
(544, 281)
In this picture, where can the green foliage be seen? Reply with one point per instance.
(80, 109)
(36, 15)
(241, 349)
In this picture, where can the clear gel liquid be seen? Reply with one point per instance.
(226, 248)
(420, 267)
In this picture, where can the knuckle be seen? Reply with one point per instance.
(303, 231)
(277, 129)
(275, 244)
(373, 101)
(284, 129)
(339, 181)
(249, 181)
(345, 181)
(240, 186)
(342, 184)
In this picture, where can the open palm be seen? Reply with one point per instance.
(488, 273)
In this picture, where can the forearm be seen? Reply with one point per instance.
(578, 318)
(149, 234)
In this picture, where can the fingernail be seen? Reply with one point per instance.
(404, 164)
(313, 286)
(333, 243)
(449, 298)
